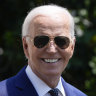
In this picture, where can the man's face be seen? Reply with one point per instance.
(50, 60)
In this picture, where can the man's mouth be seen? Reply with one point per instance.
(50, 60)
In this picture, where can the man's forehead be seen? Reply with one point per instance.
(46, 24)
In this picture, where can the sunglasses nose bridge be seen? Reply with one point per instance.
(51, 48)
(51, 41)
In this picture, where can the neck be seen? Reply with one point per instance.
(51, 81)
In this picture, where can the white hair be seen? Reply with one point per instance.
(48, 10)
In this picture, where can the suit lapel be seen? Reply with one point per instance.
(24, 85)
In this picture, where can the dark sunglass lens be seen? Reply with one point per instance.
(41, 41)
(62, 42)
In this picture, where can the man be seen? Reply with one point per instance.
(48, 43)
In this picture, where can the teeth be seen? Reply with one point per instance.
(50, 60)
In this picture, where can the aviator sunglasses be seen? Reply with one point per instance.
(41, 41)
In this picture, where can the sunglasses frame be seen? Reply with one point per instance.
(50, 38)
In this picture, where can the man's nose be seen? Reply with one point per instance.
(51, 47)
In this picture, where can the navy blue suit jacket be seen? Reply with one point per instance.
(20, 85)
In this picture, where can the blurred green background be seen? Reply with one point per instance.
(81, 70)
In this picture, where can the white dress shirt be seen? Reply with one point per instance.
(40, 86)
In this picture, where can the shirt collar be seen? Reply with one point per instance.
(36, 81)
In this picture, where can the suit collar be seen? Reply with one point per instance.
(23, 83)
(68, 89)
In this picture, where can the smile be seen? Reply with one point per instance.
(50, 60)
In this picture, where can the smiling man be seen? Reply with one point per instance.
(48, 43)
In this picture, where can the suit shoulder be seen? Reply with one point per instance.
(71, 90)
(75, 90)
(3, 88)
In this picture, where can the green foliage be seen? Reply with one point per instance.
(92, 64)
(81, 70)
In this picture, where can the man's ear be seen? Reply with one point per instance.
(73, 45)
(25, 47)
